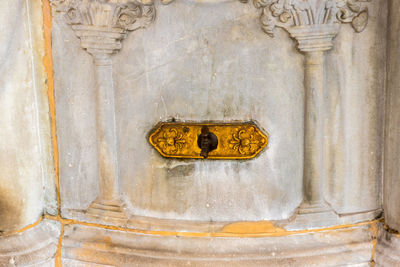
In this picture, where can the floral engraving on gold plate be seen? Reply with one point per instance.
(235, 140)
(171, 141)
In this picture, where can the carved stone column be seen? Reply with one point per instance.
(313, 24)
(313, 40)
(101, 26)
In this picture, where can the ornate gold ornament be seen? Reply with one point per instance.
(208, 140)
(246, 141)
(172, 141)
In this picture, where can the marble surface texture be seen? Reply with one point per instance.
(199, 60)
(392, 152)
(211, 61)
(85, 246)
(26, 159)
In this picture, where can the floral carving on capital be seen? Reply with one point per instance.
(127, 15)
(102, 24)
(291, 13)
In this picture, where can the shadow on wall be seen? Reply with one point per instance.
(11, 207)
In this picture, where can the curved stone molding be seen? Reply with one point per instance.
(83, 244)
(313, 24)
(144, 223)
(34, 247)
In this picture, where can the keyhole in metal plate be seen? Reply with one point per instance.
(207, 141)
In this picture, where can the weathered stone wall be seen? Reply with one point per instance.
(27, 177)
(392, 156)
(388, 248)
(211, 61)
(311, 198)
(26, 161)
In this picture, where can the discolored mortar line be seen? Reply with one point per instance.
(48, 65)
(57, 256)
(29, 226)
(207, 234)
(390, 230)
(374, 231)
(63, 222)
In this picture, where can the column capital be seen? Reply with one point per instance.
(102, 24)
(313, 23)
(313, 38)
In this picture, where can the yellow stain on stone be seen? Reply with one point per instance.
(240, 229)
(260, 227)
(23, 229)
(48, 65)
(57, 256)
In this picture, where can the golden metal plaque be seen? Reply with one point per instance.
(208, 140)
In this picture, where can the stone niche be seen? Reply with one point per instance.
(202, 61)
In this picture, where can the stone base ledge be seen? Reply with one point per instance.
(296, 222)
(388, 249)
(103, 247)
(33, 247)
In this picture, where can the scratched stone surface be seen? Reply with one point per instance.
(211, 61)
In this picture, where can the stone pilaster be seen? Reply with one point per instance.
(391, 193)
(388, 247)
(313, 24)
(313, 40)
(101, 26)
